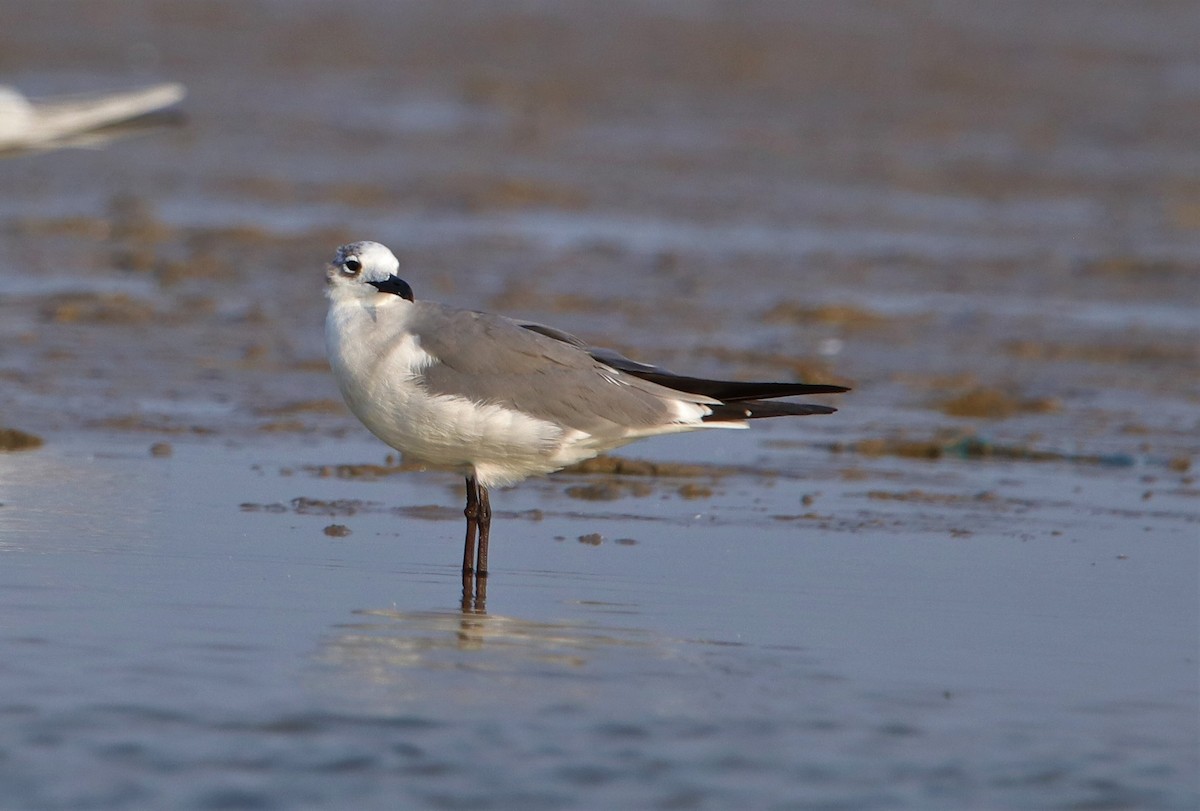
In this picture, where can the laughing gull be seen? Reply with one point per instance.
(499, 400)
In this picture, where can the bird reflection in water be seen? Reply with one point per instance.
(382, 645)
(474, 593)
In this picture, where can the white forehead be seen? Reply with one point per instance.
(372, 255)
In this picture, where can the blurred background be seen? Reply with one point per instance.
(988, 207)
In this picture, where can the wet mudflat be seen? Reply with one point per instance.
(977, 585)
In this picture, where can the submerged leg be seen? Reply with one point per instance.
(479, 601)
(471, 511)
(485, 528)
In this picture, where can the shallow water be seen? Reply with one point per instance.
(170, 644)
(975, 586)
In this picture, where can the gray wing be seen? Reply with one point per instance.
(609, 357)
(545, 373)
(725, 391)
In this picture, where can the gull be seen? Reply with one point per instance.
(72, 120)
(497, 399)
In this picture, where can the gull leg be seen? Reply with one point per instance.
(485, 528)
(479, 518)
(471, 511)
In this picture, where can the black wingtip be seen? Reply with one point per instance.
(759, 409)
(727, 391)
(731, 391)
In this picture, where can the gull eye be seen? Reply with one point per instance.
(351, 266)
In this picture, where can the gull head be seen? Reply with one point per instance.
(363, 269)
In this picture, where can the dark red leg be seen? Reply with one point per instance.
(485, 528)
(471, 511)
